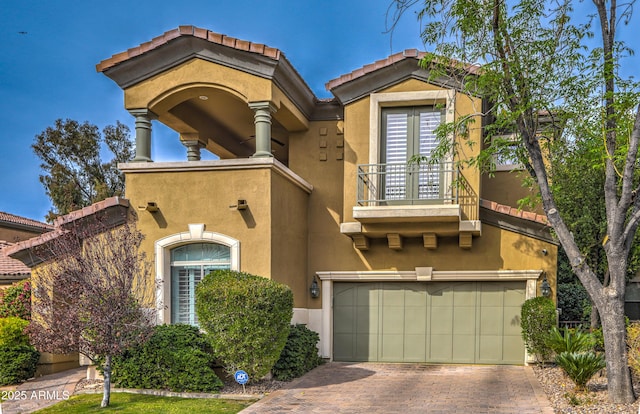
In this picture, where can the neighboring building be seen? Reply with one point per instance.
(14, 229)
(414, 262)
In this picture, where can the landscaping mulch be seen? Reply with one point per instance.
(560, 391)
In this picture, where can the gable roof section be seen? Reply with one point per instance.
(23, 223)
(187, 42)
(114, 210)
(516, 220)
(389, 71)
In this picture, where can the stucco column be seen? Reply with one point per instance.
(143, 134)
(262, 121)
(193, 147)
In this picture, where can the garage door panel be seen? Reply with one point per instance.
(456, 322)
(415, 322)
(441, 320)
(490, 349)
(512, 322)
(415, 348)
(464, 321)
(392, 347)
(366, 347)
(491, 321)
(512, 350)
(440, 347)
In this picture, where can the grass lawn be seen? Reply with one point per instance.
(136, 403)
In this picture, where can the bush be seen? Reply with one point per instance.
(16, 301)
(17, 363)
(569, 340)
(574, 302)
(12, 332)
(300, 354)
(538, 316)
(580, 366)
(633, 345)
(246, 318)
(175, 358)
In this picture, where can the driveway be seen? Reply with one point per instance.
(342, 388)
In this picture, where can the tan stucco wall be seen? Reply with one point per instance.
(271, 231)
(15, 235)
(357, 131)
(289, 238)
(195, 77)
(505, 187)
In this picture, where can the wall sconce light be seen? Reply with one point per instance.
(545, 252)
(315, 288)
(545, 288)
(241, 205)
(151, 207)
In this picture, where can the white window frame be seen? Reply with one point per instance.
(196, 234)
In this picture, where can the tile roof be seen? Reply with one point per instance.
(390, 60)
(9, 266)
(514, 212)
(20, 250)
(13, 219)
(205, 34)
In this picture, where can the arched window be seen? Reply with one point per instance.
(189, 264)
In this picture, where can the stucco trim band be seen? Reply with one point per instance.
(218, 165)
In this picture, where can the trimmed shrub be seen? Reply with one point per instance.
(580, 366)
(569, 340)
(16, 300)
(17, 363)
(300, 354)
(12, 332)
(246, 319)
(175, 358)
(538, 316)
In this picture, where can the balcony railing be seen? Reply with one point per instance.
(415, 184)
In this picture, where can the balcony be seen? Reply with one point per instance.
(413, 200)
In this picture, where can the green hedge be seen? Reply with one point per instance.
(12, 332)
(175, 358)
(246, 318)
(300, 354)
(17, 363)
(538, 316)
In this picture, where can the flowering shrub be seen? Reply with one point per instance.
(16, 301)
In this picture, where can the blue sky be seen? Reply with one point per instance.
(49, 72)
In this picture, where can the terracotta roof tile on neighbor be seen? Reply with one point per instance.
(13, 219)
(205, 34)
(9, 266)
(515, 212)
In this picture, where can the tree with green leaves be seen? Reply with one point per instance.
(544, 81)
(74, 174)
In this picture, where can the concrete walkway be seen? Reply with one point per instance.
(41, 392)
(409, 388)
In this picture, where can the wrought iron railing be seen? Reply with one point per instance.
(413, 183)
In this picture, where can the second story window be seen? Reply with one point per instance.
(407, 132)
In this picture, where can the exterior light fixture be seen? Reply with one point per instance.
(315, 288)
(151, 207)
(545, 288)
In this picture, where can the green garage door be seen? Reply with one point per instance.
(448, 322)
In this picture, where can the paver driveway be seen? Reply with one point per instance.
(409, 388)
